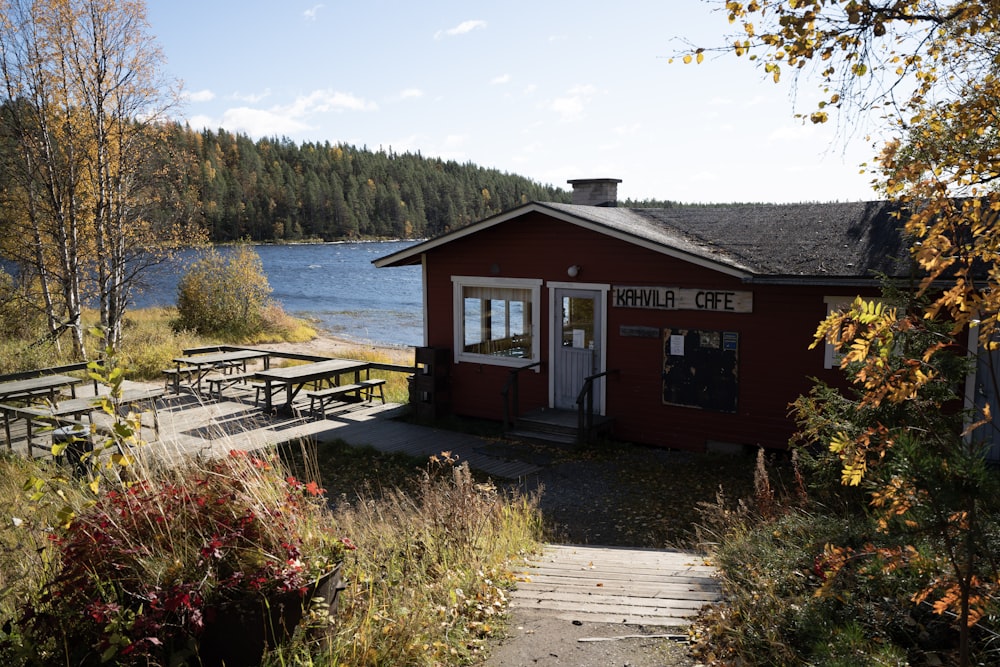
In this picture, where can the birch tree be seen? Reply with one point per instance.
(84, 105)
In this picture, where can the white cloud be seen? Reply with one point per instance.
(570, 107)
(530, 88)
(461, 29)
(503, 78)
(289, 119)
(198, 95)
(200, 120)
(251, 98)
(625, 130)
(261, 122)
(320, 101)
(310, 14)
(410, 93)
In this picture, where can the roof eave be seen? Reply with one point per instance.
(411, 255)
(414, 252)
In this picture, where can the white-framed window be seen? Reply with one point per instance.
(496, 320)
(831, 357)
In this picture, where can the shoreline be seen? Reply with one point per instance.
(325, 344)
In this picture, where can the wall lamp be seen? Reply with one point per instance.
(573, 271)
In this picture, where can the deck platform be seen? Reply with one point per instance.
(190, 425)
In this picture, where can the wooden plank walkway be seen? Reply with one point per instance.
(592, 584)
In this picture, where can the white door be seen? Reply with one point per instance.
(577, 329)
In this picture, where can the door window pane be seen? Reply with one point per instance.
(578, 322)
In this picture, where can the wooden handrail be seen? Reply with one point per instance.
(512, 385)
(585, 406)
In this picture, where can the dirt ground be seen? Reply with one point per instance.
(548, 642)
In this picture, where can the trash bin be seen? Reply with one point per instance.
(77, 441)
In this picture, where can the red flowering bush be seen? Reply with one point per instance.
(152, 564)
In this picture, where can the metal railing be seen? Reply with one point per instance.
(585, 406)
(511, 387)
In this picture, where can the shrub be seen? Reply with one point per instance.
(152, 564)
(224, 296)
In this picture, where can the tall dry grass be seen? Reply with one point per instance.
(427, 585)
(429, 581)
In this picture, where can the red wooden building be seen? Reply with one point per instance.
(696, 320)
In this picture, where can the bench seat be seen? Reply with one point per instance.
(80, 407)
(173, 376)
(216, 383)
(363, 390)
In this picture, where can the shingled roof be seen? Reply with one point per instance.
(760, 242)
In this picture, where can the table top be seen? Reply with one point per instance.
(213, 358)
(36, 384)
(314, 371)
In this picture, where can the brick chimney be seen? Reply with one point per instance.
(595, 191)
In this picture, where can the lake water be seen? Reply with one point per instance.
(335, 284)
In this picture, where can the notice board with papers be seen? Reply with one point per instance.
(701, 369)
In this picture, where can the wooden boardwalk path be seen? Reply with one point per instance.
(591, 584)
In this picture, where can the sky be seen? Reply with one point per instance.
(549, 89)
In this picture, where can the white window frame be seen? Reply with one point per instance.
(458, 319)
(831, 357)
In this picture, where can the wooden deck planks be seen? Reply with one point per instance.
(614, 585)
(193, 425)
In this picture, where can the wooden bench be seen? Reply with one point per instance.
(173, 376)
(83, 407)
(259, 388)
(216, 383)
(363, 390)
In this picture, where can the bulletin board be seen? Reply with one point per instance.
(701, 369)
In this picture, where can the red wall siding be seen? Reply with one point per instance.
(774, 360)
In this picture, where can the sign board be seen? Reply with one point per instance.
(637, 331)
(701, 369)
(682, 298)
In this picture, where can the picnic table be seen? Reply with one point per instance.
(72, 411)
(293, 378)
(41, 386)
(197, 366)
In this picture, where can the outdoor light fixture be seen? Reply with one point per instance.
(573, 271)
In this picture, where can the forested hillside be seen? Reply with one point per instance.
(276, 190)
